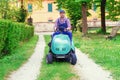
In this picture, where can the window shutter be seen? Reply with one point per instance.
(49, 7)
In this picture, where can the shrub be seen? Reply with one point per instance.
(11, 33)
(3, 33)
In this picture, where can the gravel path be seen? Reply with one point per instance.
(85, 67)
(31, 69)
(88, 70)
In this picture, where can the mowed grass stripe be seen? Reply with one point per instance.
(57, 70)
(19, 56)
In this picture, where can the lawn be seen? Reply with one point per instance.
(57, 70)
(105, 52)
(19, 56)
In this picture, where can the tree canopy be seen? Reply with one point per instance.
(72, 8)
(113, 9)
(8, 11)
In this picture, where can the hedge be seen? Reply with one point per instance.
(11, 34)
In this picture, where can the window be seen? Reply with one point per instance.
(29, 7)
(49, 7)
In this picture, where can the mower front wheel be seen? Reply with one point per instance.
(73, 58)
(49, 58)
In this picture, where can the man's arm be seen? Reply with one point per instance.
(69, 24)
(56, 25)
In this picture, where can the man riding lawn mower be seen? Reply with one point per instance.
(61, 45)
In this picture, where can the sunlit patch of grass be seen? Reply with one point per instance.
(104, 52)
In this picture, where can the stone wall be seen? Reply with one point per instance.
(44, 27)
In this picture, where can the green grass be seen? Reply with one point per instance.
(57, 70)
(98, 30)
(104, 52)
(21, 54)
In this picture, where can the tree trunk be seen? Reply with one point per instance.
(103, 24)
(21, 4)
(84, 19)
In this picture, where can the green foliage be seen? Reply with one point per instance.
(12, 13)
(4, 8)
(3, 33)
(99, 31)
(113, 9)
(22, 14)
(97, 0)
(82, 1)
(11, 34)
(79, 25)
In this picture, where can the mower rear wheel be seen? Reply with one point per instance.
(49, 58)
(73, 58)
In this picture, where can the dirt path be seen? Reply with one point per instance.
(30, 70)
(88, 70)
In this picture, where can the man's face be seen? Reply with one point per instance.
(62, 15)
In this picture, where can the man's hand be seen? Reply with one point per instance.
(69, 28)
(55, 29)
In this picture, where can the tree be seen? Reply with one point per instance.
(23, 11)
(84, 16)
(102, 4)
(72, 9)
(7, 11)
(112, 8)
(103, 24)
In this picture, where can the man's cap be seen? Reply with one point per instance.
(62, 11)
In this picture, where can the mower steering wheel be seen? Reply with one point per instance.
(61, 29)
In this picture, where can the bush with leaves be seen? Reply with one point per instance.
(11, 33)
(3, 33)
(22, 14)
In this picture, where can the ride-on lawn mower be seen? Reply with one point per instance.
(61, 48)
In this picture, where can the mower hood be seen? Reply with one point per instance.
(61, 44)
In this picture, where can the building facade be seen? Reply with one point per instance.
(48, 13)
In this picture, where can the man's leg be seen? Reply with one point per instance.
(55, 33)
(69, 34)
